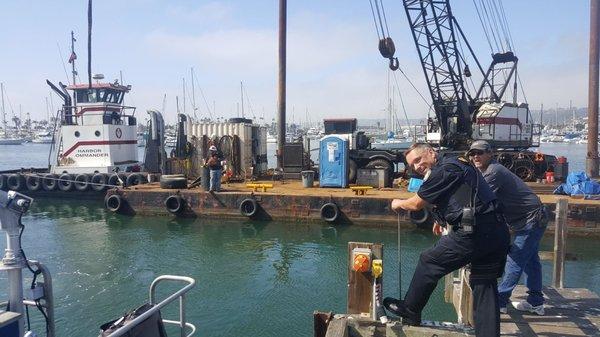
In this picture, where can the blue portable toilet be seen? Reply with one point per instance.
(333, 161)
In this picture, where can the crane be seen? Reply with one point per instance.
(465, 113)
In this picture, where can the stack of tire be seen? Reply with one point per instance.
(66, 182)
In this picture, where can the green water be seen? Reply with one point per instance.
(253, 279)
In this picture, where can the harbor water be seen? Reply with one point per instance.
(253, 278)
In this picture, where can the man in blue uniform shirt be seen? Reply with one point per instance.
(527, 219)
(477, 235)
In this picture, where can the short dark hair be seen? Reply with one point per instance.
(419, 147)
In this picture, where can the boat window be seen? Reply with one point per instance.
(86, 96)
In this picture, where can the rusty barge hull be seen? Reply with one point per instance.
(291, 202)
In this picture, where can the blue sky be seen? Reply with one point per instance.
(334, 67)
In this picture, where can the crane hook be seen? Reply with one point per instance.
(394, 64)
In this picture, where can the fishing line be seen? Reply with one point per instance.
(399, 262)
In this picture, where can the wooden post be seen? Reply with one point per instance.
(560, 242)
(360, 285)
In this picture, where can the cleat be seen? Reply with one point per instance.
(526, 306)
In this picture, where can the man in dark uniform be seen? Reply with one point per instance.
(477, 235)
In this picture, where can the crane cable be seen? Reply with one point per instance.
(386, 44)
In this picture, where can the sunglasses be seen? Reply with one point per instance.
(476, 153)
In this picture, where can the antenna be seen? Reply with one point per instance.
(90, 43)
(73, 57)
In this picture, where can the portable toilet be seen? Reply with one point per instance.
(333, 161)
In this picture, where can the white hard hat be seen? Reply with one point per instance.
(212, 148)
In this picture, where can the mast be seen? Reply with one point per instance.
(242, 95)
(3, 111)
(184, 95)
(72, 58)
(281, 81)
(193, 94)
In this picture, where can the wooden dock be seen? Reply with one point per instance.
(569, 312)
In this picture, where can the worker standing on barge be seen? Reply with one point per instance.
(478, 235)
(216, 168)
(527, 218)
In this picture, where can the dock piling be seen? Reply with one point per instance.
(560, 241)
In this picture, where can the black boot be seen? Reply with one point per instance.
(398, 308)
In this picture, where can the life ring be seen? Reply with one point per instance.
(33, 183)
(249, 207)
(49, 182)
(114, 203)
(82, 182)
(539, 157)
(3, 182)
(15, 182)
(330, 212)
(98, 182)
(419, 217)
(136, 179)
(174, 204)
(65, 182)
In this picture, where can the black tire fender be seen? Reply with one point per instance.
(174, 181)
(249, 207)
(65, 182)
(49, 182)
(33, 182)
(174, 204)
(3, 182)
(98, 182)
(113, 180)
(420, 218)
(82, 182)
(15, 182)
(330, 212)
(136, 179)
(114, 203)
(352, 170)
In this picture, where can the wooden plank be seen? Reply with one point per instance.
(360, 285)
(560, 241)
(321, 322)
(569, 312)
(338, 327)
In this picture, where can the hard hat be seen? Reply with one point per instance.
(212, 148)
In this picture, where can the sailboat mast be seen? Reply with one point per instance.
(242, 95)
(3, 111)
(193, 94)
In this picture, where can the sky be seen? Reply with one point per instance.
(334, 68)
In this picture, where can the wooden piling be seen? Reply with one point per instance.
(560, 242)
(360, 285)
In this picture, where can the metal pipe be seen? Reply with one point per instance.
(591, 161)
(281, 82)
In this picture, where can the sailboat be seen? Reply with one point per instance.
(5, 139)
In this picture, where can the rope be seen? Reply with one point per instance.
(484, 28)
(414, 87)
(402, 104)
(399, 262)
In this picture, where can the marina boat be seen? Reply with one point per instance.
(97, 132)
(271, 139)
(44, 137)
(6, 139)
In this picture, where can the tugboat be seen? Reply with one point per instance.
(97, 132)
(95, 143)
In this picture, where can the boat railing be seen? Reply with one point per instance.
(180, 294)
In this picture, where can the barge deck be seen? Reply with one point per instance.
(291, 201)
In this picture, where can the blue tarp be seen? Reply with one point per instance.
(579, 183)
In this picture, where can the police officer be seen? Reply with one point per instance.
(478, 235)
